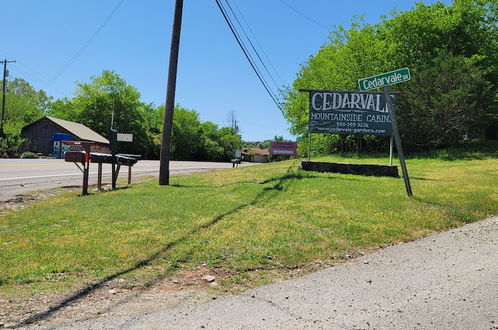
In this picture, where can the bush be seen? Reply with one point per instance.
(29, 155)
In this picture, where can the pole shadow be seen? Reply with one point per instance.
(278, 187)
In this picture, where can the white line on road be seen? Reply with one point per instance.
(104, 173)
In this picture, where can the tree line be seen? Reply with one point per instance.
(452, 53)
(109, 97)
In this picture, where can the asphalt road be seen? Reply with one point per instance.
(444, 281)
(19, 176)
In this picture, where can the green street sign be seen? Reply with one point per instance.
(384, 79)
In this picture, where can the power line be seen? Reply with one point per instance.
(252, 45)
(247, 55)
(244, 48)
(44, 81)
(257, 42)
(87, 43)
(305, 16)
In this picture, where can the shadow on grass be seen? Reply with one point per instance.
(178, 185)
(278, 187)
(288, 176)
(422, 179)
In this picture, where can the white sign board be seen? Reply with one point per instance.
(121, 137)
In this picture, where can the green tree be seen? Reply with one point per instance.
(23, 104)
(62, 109)
(109, 98)
(445, 103)
(459, 41)
(186, 137)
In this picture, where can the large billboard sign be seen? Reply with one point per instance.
(340, 112)
(279, 148)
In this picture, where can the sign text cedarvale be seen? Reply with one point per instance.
(340, 112)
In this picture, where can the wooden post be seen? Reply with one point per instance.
(169, 106)
(129, 174)
(397, 140)
(390, 151)
(99, 177)
(309, 146)
(86, 168)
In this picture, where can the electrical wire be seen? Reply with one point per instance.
(305, 16)
(246, 53)
(257, 42)
(44, 81)
(252, 45)
(87, 43)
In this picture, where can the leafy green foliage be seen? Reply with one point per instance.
(452, 52)
(29, 155)
(196, 140)
(109, 97)
(23, 104)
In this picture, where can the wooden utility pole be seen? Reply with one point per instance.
(170, 95)
(2, 135)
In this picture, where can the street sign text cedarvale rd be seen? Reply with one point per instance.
(384, 79)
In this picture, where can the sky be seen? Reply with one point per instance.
(57, 43)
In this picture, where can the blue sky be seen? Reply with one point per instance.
(214, 76)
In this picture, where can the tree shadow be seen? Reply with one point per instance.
(422, 179)
(279, 186)
(179, 185)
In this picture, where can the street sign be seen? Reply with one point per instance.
(121, 137)
(384, 79)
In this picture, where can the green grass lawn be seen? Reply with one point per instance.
(266, 217)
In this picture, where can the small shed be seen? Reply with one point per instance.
(41, 135)
(255, 155)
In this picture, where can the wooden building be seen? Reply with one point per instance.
(39, 135)
(255, 155)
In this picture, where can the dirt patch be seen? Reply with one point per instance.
(135, 296)
(116, 297)
(23, 200)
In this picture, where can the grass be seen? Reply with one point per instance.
(262, 219)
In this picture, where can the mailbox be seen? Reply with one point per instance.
(75, 156)
(127, 161)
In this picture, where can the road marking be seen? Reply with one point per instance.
(107, 173)
(38, 176)
(26, 165)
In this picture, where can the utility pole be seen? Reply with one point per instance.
(4, 85)
(170, 95)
